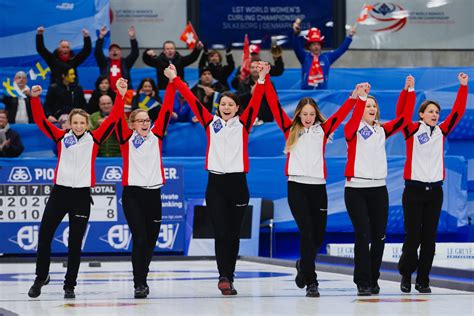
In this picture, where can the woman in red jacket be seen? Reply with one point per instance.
(73, 178)
(423, 195)
(227, 194)
(366, 194)
(306, 137)
(142, 179)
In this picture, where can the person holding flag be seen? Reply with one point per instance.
(147, 98)
(315, 65)
(171, 56)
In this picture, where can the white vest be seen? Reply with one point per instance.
(226, 141)
(75, 161)
(370, 157)
(306, 158)
(427, 163)
(143, 163)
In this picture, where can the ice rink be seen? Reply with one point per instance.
(190, 288)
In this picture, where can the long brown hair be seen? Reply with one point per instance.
(297, 126)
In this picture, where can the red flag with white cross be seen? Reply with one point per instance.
(189, 36)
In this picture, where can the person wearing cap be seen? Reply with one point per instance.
(276, 70)
(167, 57)
(315, 65)
(62, 56)
(213, 61)
(207, 89)
(115, 66)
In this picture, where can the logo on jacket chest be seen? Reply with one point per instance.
(365, 132)
(217, 126)
(69, 141)
(423, 138)
(138, 141)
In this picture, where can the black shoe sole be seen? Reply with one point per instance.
(299, 279)
(423, 290)
(46, 282)
(313, 295)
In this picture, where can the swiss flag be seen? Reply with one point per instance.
(189, 36)
(245, 69)
(364, 14)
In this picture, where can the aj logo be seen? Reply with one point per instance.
(20, 174)
(423, 138)
(26, 238)
(217, 126)
(70, 141)
(167, 237)
(365, 132)
(64, 237)
(138, 141)
(118, 237)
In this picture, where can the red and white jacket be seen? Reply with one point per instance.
(76, 156)
(425, 145)
(227, 142)
(142, 156)
(305, 162)
(366, 157)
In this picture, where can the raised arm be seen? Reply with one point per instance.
(48, 128)
(404, 110)
(362, 90)
(191, 58)
(333, 122)
(164, 116)
(229, 68)
(335, 54)
(86, 49)
(297, 42)
(150, 58)
(134, 52)
(99, 49)
(459, 106)
(40, 48)
(105, 129)
(281, 118)
(250, 113)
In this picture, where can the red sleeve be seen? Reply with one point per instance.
(333, 122)
(48, 128)
(353, 124)
(105, 129)
(401, 103)
(457, 112)
(281, 118)
(395, 125)
(123, 131)
(202, 114)
(164, 116)
(250, 113)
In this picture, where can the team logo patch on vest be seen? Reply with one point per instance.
(138, 141)
(69, 141)
(423, 138)
(365, 132)
(217, 126)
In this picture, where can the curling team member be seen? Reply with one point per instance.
(423, 195)
(306, 137)
(142, 179)
(227, 194)
(365, 194)
(73, 178)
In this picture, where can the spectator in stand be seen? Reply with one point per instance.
(212, 60)
(181, 111)
(111, 147)
(207, 89)
(64, 96)
(245, 91)
(62, 56)
(115, 66)
(277, 69)
(10, 142)
(18, 108)
(147, 98)
(102, 87)
(167, 57)
(314, 64)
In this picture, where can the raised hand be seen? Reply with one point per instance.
(463, 78)
(132, 32)
(409, 82)
(170, 72)
(263, 70)
(122, 86)
(151, 53)
(85, 32)
(102, 31)
(363, 89)
(40, 30)
(36, 91)
(353, 30)
(199, 45)
(297, 26)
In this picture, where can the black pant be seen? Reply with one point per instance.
(227, 197)
(142, 209)
(421, 211)
(368, 210)
(63, 200)
(309, 204)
